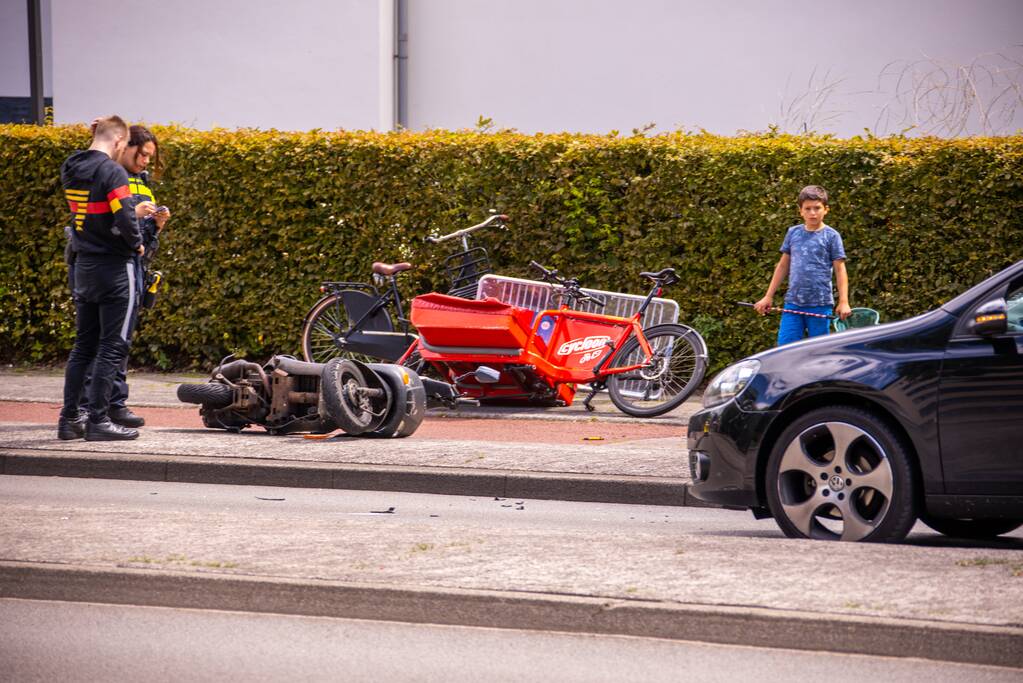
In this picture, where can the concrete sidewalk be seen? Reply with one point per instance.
(632, 469)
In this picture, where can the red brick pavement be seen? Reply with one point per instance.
(505, 430)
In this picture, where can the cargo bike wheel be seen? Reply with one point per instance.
(674, 372)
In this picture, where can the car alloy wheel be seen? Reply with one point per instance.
(840, 473)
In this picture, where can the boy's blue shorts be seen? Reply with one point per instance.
(794, 326)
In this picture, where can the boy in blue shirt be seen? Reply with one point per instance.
(809, 254)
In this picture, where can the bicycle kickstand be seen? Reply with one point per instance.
(595, 388)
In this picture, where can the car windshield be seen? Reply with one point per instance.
(1014, 310)
(968, 297)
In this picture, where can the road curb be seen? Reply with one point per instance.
(966, 643)
(631, 490)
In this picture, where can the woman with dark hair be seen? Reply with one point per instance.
(143, 150)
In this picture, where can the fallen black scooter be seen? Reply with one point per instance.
(287, 395)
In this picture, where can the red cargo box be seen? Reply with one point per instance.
(444, 320)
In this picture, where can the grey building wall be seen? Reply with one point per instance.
(536, 65)
(601, 65)
(295, 64)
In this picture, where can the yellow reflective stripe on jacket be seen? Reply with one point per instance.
(78, 200)
(137, 187)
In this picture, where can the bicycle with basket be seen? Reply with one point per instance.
(366, 321)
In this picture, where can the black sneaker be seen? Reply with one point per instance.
(72, 429)
(124, 417)
(108, 431)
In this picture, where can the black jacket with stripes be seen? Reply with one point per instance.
(96, 188)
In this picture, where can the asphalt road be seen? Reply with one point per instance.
(307, 508)
(118, 642)
(177, 503)
(670, 572)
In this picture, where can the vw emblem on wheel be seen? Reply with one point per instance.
(836, 483)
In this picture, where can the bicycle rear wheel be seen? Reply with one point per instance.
(678, 365)
(321, 335)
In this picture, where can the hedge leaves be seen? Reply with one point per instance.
(260, 218)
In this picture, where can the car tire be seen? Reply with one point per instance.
(841, 473)
(971, 528)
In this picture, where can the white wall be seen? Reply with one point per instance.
(14, 76)
(534, 65)
(288, 64)
(599, 65)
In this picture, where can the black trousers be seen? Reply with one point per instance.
(105, 300)
(119, 385)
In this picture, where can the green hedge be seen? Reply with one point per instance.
(260, 218)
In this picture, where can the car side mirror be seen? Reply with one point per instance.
(989, 319)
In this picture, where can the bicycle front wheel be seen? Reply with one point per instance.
(321, 333)
(673, 373)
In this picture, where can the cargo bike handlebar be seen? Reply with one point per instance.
(572, 289)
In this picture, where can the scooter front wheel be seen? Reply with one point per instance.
(676, 369)
(355, 398)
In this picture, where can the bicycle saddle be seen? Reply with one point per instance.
(390, 268)
(662, 275)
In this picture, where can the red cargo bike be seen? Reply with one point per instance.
(493, 352)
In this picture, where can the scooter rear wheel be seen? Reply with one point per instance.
(210, 394)
(676, 370)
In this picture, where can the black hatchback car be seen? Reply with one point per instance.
(856, 435)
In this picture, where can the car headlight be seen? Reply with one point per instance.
(730, 382)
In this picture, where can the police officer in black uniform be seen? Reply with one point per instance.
(105, 239)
